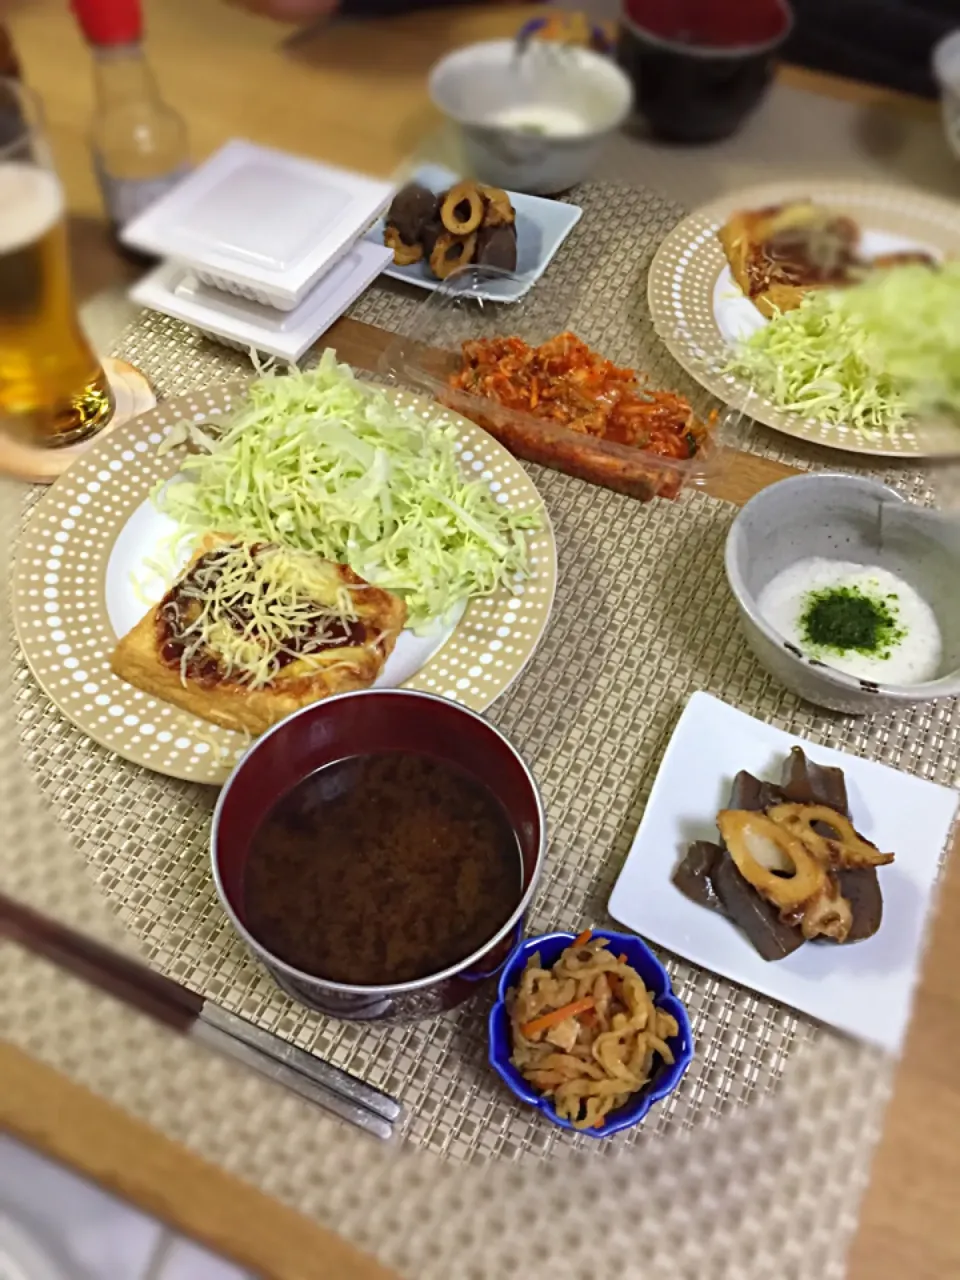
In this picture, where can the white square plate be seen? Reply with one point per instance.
(542, 227)
(260, 222)
(864, 988)
(174, 290)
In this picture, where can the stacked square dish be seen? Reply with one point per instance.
(261, 249)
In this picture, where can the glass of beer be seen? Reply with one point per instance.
(52, 388)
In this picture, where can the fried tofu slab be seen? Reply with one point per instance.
(252, 632)
(778, 254)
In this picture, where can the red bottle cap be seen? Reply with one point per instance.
(107, 22)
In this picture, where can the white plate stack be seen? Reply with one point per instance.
(261, 249)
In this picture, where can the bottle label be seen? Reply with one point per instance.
(126, 197)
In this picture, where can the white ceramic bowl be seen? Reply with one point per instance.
(946, 70)
(842, 517)
(476, 85)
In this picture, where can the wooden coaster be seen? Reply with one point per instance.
(132, 394)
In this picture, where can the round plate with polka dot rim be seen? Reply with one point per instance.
(79, 583)
(698, 310)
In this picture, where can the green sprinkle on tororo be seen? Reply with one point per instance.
(850, 620)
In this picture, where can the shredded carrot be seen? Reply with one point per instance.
(622, 957)
(556, 1016)
(582, 939)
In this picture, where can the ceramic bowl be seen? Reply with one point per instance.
(666, 1076)
(842, 517)
(473, 85)
(946, 71)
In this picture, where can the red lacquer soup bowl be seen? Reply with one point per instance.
(356, 724)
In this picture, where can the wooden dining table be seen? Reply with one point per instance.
(355, 94)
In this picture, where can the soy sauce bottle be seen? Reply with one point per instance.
(139, 142)
(10, 122)
(9, 64)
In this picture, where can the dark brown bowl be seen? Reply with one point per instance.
(700, 67)
(354, 724)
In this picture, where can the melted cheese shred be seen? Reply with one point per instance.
(254, 609)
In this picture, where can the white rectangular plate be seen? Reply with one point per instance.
(260, 222)
(863, 988)
(174, 290)
(542, 227)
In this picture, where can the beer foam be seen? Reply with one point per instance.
(31, 201)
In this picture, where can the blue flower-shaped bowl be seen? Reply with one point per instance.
(665, 1077)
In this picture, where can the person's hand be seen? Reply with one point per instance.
(295, 11)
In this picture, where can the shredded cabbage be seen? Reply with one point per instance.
(323, 463)
(869, 357)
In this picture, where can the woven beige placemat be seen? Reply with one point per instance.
(730, 1176)
(635, 632)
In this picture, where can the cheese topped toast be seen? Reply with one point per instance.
(779, 254)
(253, 631)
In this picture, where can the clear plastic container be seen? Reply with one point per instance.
(424, 358)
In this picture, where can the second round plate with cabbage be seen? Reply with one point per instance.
(701, 314)
(106, 543)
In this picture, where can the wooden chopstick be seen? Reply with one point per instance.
(198, 1019)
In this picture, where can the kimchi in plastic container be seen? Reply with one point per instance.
(431, 354)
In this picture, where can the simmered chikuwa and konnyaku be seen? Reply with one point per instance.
(791, 867)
